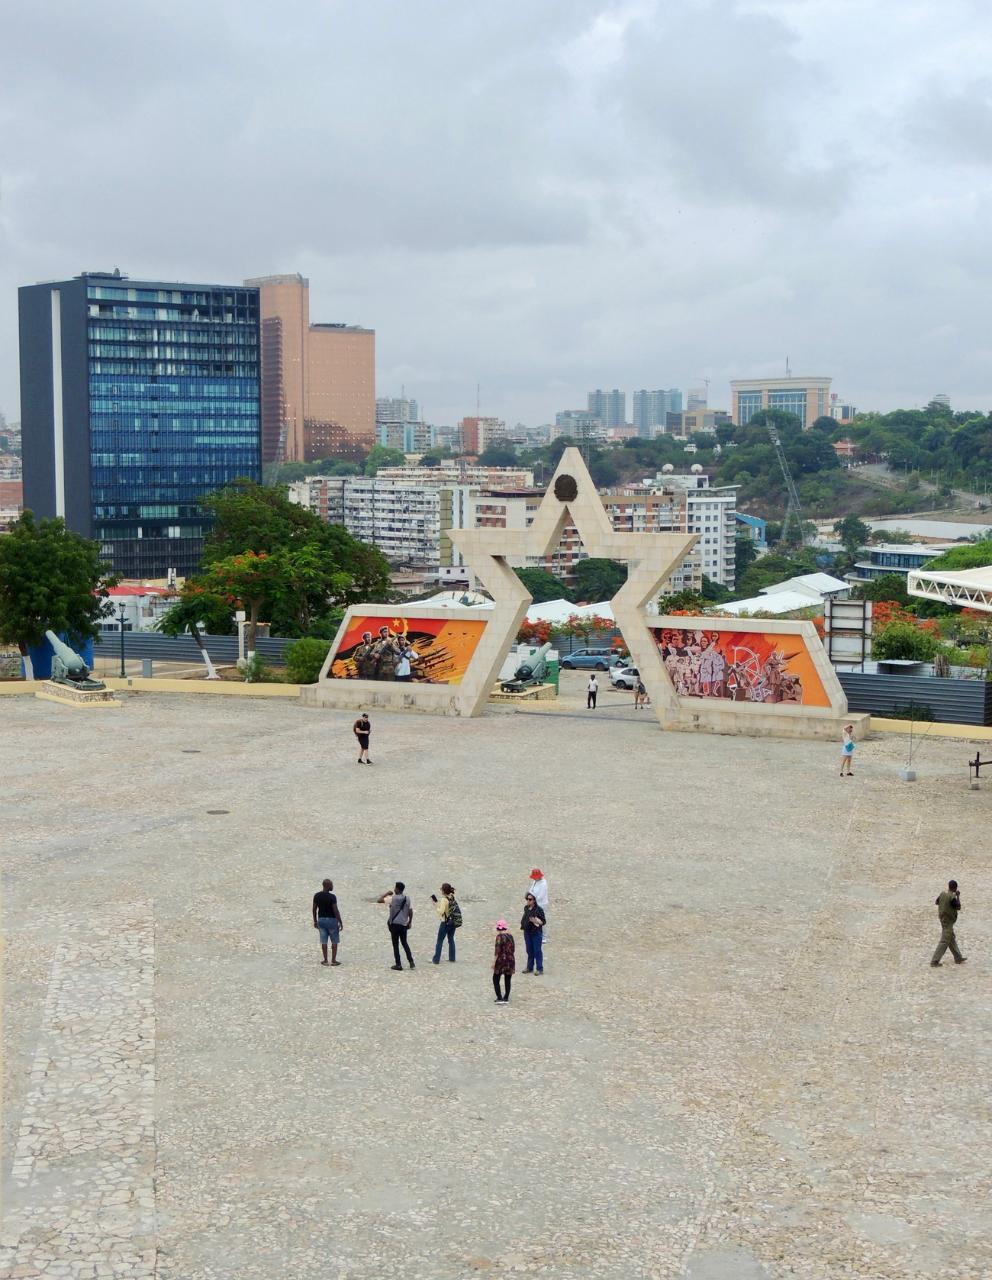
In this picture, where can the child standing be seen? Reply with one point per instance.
(847, 752)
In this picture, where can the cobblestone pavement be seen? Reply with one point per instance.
(81, 1193)
(738, 1063)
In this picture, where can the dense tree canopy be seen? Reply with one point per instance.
(380, 456)
(543, 585)
(498, 455)
(970, 555)
(934, 441)
(297, 568)
(50, 579)
(854, 533)
(598, 579)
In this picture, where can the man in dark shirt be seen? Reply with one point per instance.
(948, 906)
(327, 918)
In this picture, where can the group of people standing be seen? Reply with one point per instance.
(327, 920)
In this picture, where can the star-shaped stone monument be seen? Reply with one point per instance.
(651, 558)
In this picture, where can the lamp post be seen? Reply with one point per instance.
(121, 612)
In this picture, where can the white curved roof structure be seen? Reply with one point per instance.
(969, 587)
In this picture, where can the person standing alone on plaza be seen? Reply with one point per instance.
(327, 918)
(948, 905)
(362, 729)
(847, 752)
(504, 962)
(592, 688)
(400, 922)
(532, 923)
(451, 918)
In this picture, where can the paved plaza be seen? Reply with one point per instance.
(738, 1063)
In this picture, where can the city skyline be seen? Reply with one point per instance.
(568, 218)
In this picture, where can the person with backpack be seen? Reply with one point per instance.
(503, 962)
(532, 923)
(451, 919)
(400, 921)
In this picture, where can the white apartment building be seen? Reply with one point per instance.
(712, 513)
(409, 519)
(437, 477)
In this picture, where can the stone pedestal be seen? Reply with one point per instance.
(536, 693)
(70, 697)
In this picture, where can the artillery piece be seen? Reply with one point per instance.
(533, 670)
(68, 667)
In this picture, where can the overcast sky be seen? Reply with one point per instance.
(542, 196)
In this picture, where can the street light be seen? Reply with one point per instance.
(121, 612)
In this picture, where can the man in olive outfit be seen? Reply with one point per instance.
(948, 906)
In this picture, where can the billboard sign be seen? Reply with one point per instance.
(741, 666)
(405, 648)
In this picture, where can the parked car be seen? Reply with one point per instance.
(624, 677)
(584, 658)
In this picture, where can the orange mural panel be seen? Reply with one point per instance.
(740, 666)
(407, 649)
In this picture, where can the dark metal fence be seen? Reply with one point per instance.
(952, 701)
(150, 644)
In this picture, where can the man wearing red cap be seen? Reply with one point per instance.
(539, 888)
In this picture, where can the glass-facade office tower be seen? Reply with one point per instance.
(137, 398)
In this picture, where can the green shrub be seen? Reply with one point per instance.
(256, 671)
(911, 711)
(903, 640)
(304, 659)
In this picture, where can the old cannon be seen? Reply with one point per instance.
(533, 670)
(68, 667)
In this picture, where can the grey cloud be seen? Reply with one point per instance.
(953, 122)
(541, 196)
(715, 97)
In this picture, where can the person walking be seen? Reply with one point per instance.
(400, 923)
(327, 918)
(503, 961)
(948, 907)
(847, 751)
(592, 688)
(451, 918)
(362, 729)
(640, 695)
(532, 923)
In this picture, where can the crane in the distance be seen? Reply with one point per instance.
(793, 511)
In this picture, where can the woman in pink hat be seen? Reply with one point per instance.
(504, 964)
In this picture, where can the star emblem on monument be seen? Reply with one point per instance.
(651, 558)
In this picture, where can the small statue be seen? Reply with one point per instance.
(68, 667)
(533, 670)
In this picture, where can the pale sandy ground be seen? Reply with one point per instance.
(737, 1065)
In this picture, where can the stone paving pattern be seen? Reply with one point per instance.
(80, 1201)
(737, 1065)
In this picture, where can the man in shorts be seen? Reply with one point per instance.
(327, 918)
(362, 728)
